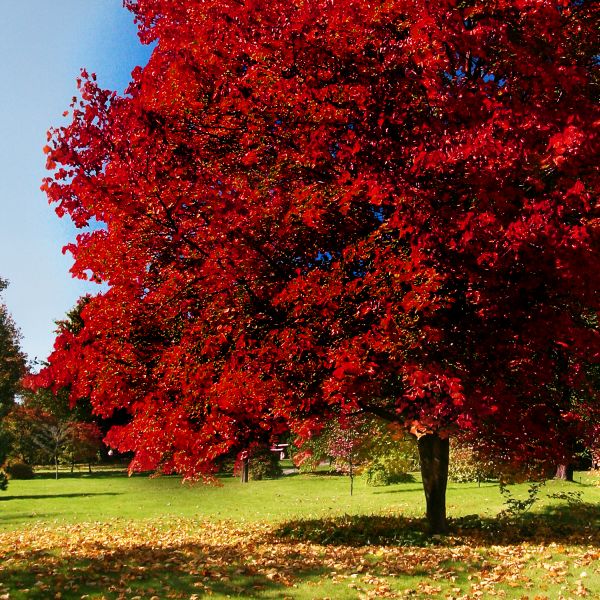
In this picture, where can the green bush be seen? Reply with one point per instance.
(465, 466)
(3, 480)
(377, 475)
(19, 470)
(262, 464)
(468, 465)
(226, 465)
(393, 458)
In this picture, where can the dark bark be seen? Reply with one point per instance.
(434, 453)
(564, 472)
(245, 470)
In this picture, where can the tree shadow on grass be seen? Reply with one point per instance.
(357, 530)
(239, 561)
(21, 517)
(565, 523)
(262, 566)
(103, 474)
(178, 571)
(402, 490)
(43, 496)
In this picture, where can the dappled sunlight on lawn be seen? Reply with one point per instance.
(346, 557)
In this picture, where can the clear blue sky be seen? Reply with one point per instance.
(43, 45)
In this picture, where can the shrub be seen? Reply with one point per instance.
(19, 470)
(515, 507)
(465, 466)
(468, 464)
(3, 480)
(226, 465)
(379, 473)
(394, 455)
(263, 464)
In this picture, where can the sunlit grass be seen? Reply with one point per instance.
(106, 495)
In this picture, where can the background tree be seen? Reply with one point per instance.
(312, 211)
(87, 428)
(50, 436)
(346, 444)
(37, 437)
(47, 429)
(12, 359)
(380, 449)
(83, 444)
(12, 369)
(50, 428)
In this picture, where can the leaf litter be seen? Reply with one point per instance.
(193, 559)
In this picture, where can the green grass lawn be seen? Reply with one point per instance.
(111, 494)
(303, 536)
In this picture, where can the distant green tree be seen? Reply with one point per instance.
(58, 404)
(53, 399)
(12, 359)
(22, 426)
(12, 370)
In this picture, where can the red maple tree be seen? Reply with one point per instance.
(309, 210)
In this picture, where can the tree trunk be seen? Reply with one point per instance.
(245, 470)
(56, 466)
(564, 472)
(434, 453)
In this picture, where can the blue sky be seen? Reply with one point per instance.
(43, 46)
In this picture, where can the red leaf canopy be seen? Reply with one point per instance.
(311, 209)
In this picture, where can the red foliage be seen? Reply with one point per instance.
(85, 440)
(310, 209)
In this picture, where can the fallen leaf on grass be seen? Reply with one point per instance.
(238, 557)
